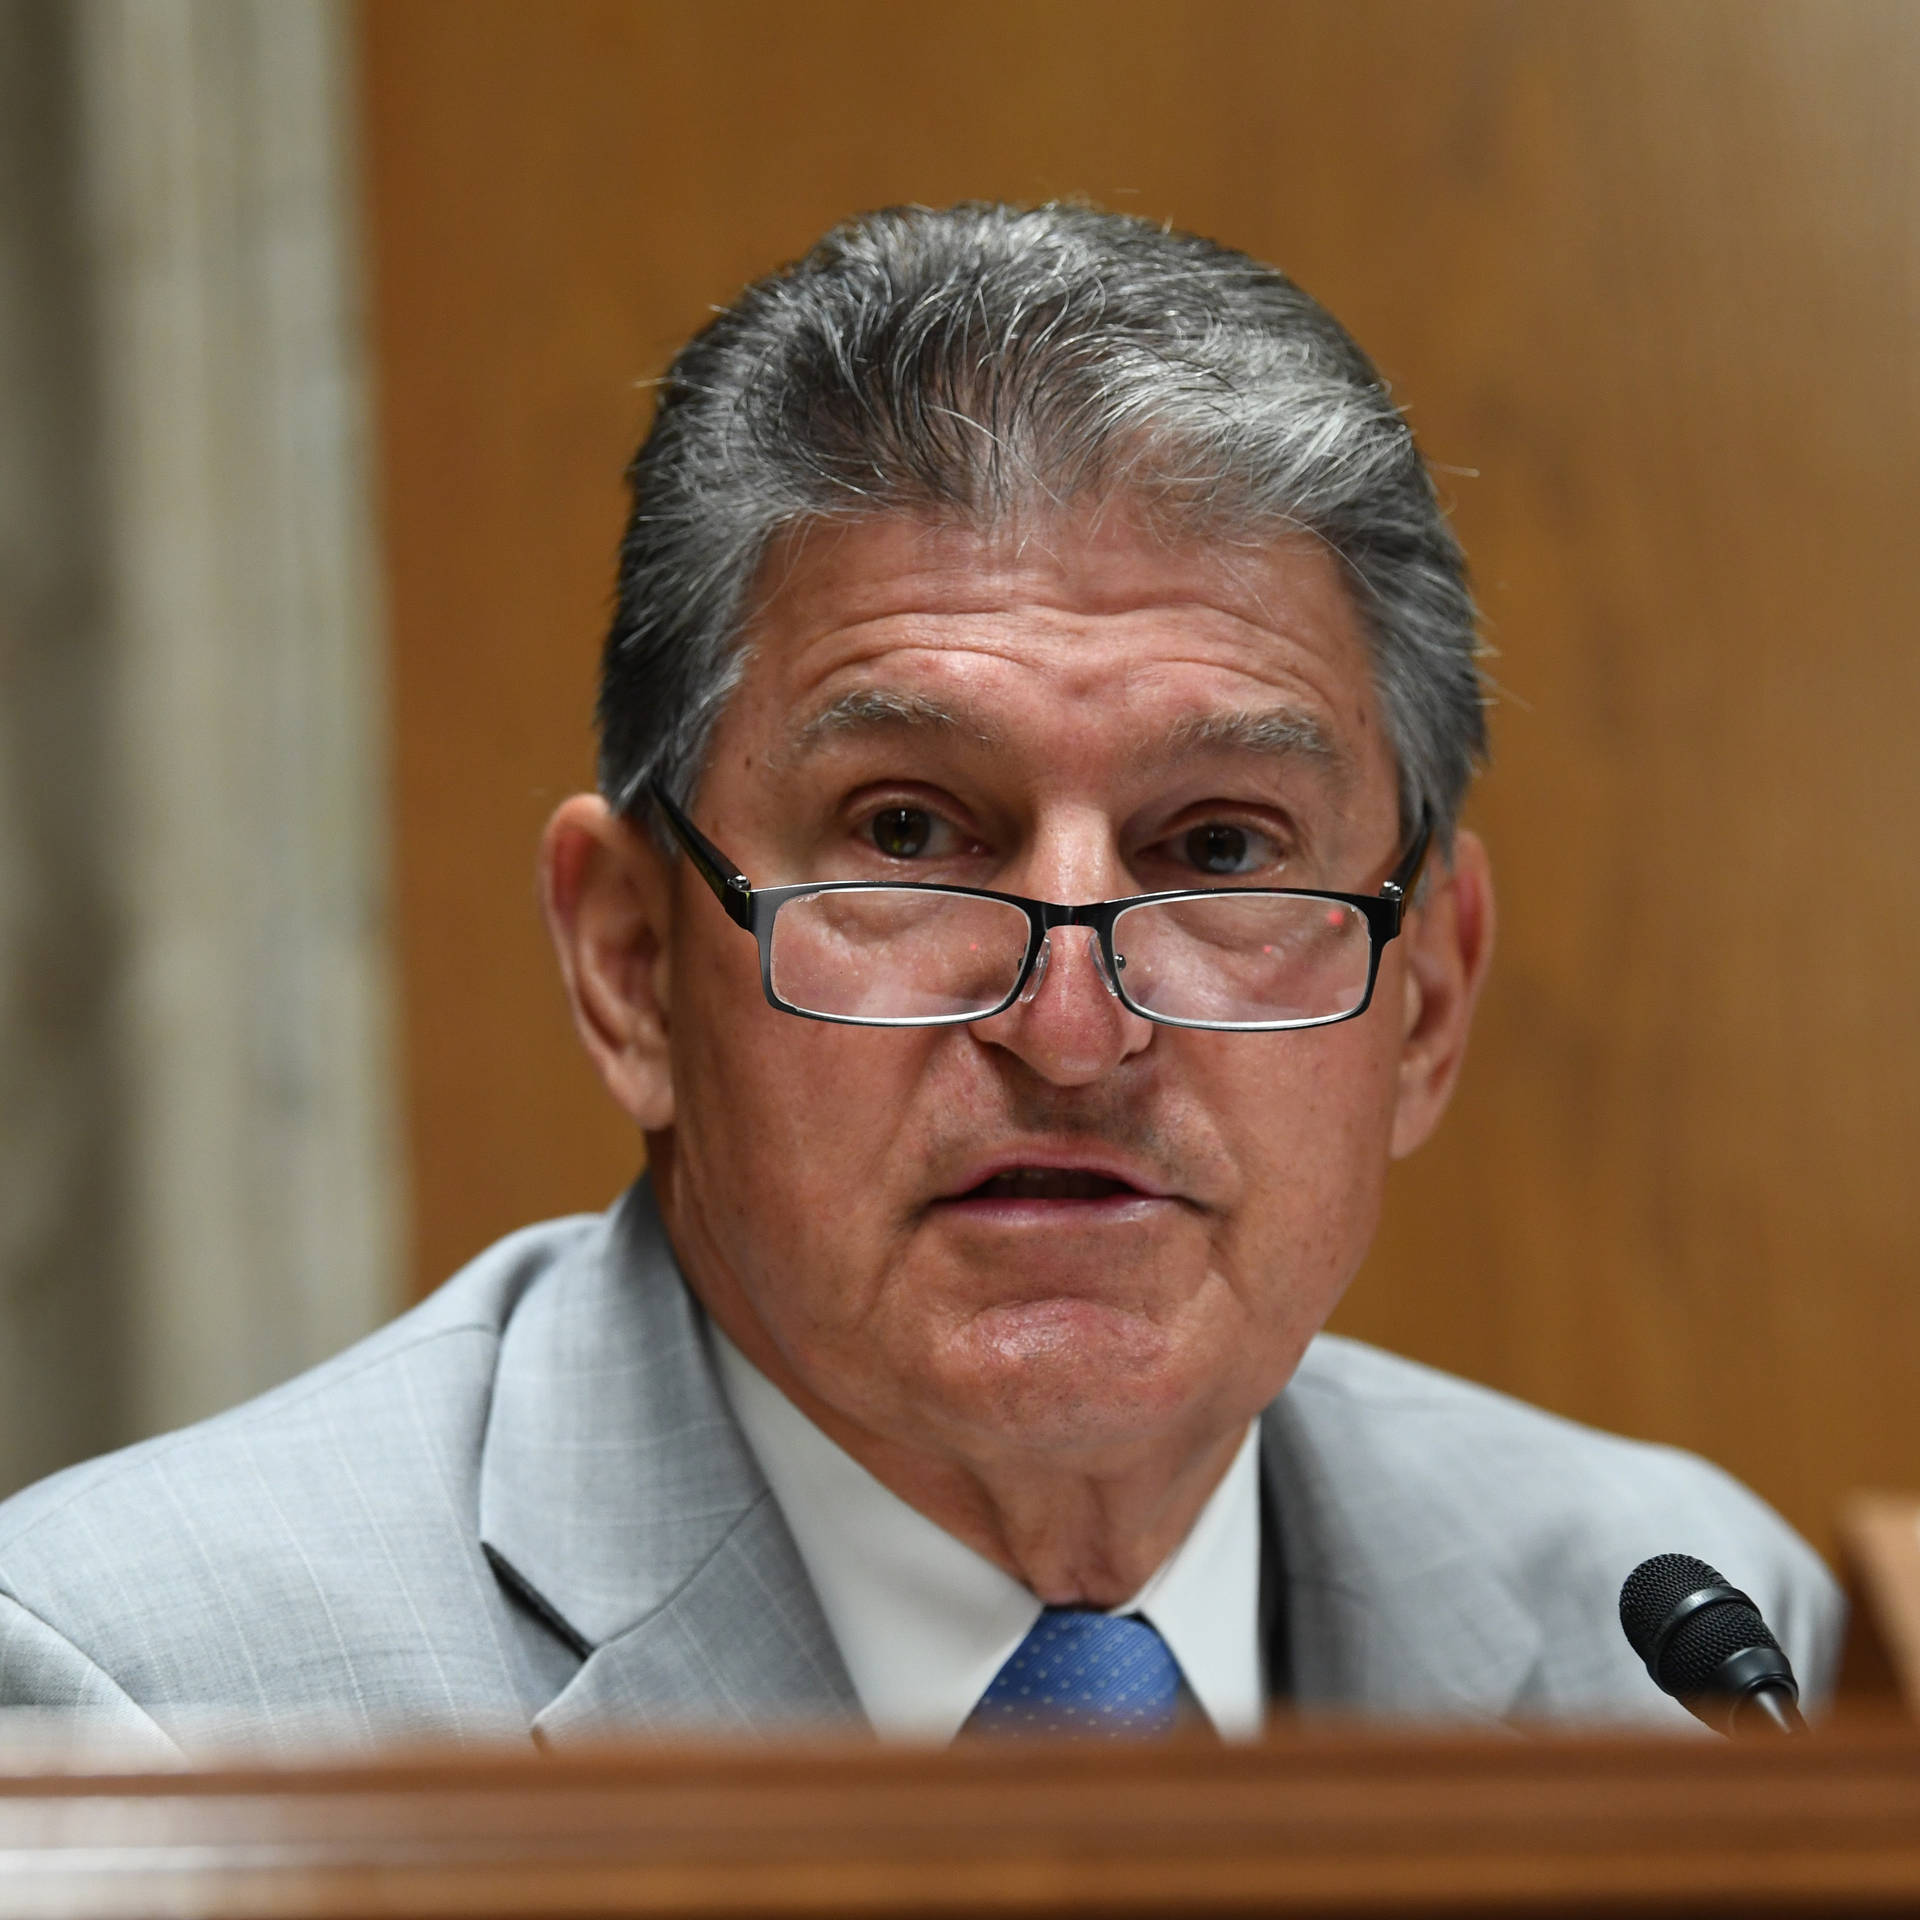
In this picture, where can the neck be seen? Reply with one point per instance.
(1088, 1532)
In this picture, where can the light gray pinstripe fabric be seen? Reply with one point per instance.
(525, 1509)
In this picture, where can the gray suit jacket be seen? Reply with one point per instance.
(525, 1507)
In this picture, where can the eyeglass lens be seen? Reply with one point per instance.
(1243, 960)
(881, 953)
(1229, 959)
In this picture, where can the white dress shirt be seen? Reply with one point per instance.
(924, 1623)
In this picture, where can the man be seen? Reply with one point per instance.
(1024, 912)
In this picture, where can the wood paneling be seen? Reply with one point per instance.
(1646, 275)
(1879, 1537)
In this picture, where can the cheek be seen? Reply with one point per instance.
(783, 1126)
(1306, 1117)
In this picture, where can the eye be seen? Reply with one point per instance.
(1217, 847)
(900, 828)
(902, 833)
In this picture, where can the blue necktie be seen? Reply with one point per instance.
(1083, 1673)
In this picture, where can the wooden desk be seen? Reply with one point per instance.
(1312, 1823)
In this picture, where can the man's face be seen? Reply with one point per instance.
(1063, 1231)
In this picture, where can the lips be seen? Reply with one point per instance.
(1052, 1172)
(1048, 1183)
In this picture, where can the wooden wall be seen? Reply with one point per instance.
(1646, 274)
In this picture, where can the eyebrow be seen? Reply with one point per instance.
(1279, 733)
(873, 710)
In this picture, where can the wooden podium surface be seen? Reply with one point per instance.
(1312, 1822)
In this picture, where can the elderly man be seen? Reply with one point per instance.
(1024, 912)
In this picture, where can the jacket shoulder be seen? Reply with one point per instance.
(1557, 1511)
(314, 1551)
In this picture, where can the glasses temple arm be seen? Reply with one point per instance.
(730, 886)
(1399, 884)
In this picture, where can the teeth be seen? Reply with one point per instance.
(1049, 1183)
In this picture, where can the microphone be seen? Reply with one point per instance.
(1705, 1643)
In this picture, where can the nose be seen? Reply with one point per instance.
(1068, 1025)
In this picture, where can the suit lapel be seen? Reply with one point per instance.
(1393, 1603)
(619, 1497)
(741, 1647)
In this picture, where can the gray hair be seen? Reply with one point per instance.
(982, 361)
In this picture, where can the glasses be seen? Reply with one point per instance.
(897, 953)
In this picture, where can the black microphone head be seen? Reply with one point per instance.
(1702, 1639)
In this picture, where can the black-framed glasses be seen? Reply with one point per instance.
(903, 953)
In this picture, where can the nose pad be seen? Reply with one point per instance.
(1100, 965)
(1039, 972)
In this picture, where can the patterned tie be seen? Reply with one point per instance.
(1083, 1673)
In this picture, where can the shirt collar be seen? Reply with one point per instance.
(923, 1622)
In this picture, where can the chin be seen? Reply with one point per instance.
(1070, 1375)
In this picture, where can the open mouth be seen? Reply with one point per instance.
(1047, 1183)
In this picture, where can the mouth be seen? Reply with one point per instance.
(1050, 1183)
(1054, 1182)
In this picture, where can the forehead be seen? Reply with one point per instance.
(1055, 641)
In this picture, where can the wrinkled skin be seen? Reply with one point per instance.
(1059, 1368)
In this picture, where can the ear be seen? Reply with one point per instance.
(1448, 940)
(608, 902)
